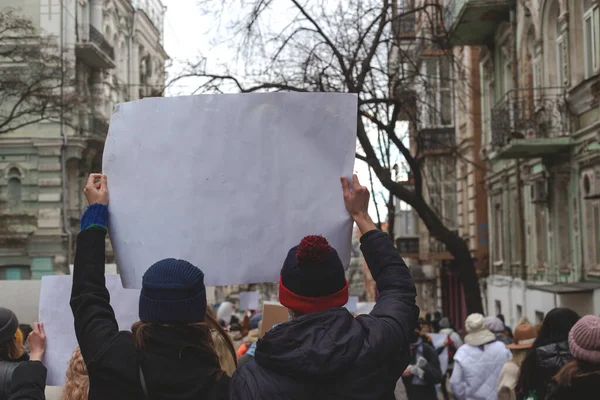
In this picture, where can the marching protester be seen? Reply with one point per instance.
(549, 354)
(170, 353)
(478, 362)
(452, 343)
(324, 352)
(423, 373)
(523, 339)
(12, 351)
(580, 378)
(497, 327)
(29, 377)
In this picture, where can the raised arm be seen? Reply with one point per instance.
(95, 323)
(395, 314)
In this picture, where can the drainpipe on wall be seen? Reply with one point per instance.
(63, 134)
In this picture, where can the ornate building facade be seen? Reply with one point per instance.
(115, 52)
(539, 78)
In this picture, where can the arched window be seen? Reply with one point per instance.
(14, 187)
(591, 36)
(553, 76)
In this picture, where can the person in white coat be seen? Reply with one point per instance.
(478, 363)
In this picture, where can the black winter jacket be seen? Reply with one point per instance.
(331, 354)
(549, 359)
(170, 371)
(7, 368)
(29, 381)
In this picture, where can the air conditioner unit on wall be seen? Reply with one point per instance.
(590, 187)
(539, 191)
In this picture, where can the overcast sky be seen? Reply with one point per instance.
(189, 33)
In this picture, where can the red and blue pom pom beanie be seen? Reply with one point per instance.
(312, 278)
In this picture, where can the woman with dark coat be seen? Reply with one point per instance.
(580, 379)
(28, 380)
(12, 351)
(171, 354)
(550, 352)
(423, 372)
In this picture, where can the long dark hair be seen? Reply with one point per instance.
(576, 369)
(202, 331)
(555, 329)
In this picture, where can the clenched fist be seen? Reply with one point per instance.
(96, 189)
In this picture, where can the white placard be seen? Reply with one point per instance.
(228, 182)
(438, 340)
(365, 308)
(352, 304)
(248, 301)
(57, 317)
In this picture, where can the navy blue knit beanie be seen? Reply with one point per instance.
(173, 292)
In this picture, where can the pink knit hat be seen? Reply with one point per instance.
(584, 339)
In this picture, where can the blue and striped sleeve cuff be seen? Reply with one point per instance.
(95, 215)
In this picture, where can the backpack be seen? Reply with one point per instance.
(7, 368)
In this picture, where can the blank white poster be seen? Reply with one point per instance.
(352, 304)
(228, 182)
(249, 301)
(56, 315)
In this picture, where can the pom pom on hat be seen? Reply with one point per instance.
(313, 250)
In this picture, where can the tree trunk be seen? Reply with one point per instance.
(455, 245)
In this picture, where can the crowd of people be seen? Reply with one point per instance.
(183, 348)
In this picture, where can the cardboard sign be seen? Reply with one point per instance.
(273, 314)
(236, 183)
(249, 301)
(352, 304)
(57, 317)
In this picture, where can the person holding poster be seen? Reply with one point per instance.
(170, 353)
(324, 352)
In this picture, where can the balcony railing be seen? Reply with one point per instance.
(530, 123)
(408, 245)
(98, 39)
(436, 139)
(474, 22)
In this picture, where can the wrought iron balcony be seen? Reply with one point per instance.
(474, 22)
(408, 245)
(94, 50)
(531, 123)
(436, 140)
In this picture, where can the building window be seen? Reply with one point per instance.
(441, 186)
(498, 239)
(498, 305)
(14, 195)
(439, 111)
(15, 273)
(591, 36)
(519, 312)
(541, 234)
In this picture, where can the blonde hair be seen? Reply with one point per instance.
(518, 355)
(78, 382)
